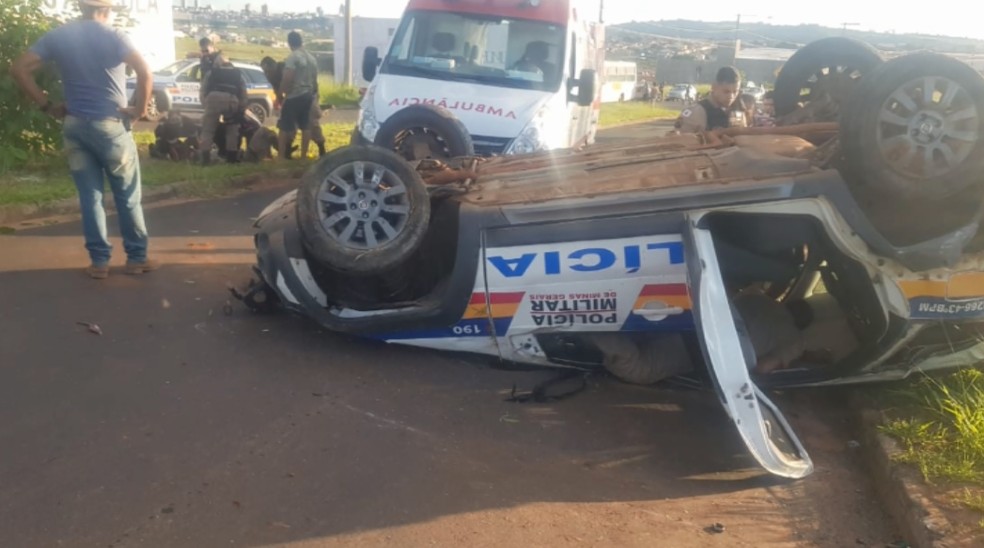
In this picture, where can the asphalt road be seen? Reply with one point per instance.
(190, 423)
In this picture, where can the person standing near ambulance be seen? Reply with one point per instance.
(717, 110)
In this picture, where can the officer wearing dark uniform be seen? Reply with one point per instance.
(208, 57)
(225, 97)
(716, 110)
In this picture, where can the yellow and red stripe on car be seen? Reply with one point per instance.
(959, 296)
(673, 297)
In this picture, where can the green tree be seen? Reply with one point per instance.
(25, 131)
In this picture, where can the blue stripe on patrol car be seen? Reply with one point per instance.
(466, 328)
(933, 308)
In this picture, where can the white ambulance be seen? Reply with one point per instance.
(484, 77)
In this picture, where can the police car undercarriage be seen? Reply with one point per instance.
(809, 254)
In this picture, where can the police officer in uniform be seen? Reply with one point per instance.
(717, 110)
(208, 56)
(225, 97)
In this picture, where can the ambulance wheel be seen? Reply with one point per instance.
(362, 209)
(422, 132)
(915, 130)
(829, 66)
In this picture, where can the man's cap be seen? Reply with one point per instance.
(98, 3)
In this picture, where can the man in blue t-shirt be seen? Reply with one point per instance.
(91, 57)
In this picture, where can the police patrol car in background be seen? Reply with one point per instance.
(176, 87)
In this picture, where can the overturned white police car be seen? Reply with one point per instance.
(807, 254)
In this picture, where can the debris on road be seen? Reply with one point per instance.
(165, 304)
(717, 528)
(93, 328)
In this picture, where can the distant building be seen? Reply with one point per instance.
(366, 32)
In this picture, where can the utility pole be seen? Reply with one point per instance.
(348, 42)
(737, 29)
(601, 11)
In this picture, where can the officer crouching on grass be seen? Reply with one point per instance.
(716, 111)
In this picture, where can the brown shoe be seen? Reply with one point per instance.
(141, 268)
(97, 272)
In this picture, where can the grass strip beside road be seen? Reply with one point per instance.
(338, 95)
(939, 423)
(49, 181)
(630, 112)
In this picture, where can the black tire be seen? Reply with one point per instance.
(807, 74)
(420, 132)
(890, 129)
(259, 110)
(333, 217)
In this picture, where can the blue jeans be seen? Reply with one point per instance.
(99, 150)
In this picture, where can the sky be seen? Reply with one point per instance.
(954, 19)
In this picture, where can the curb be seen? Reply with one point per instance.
(13, 214)
(900, 488)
